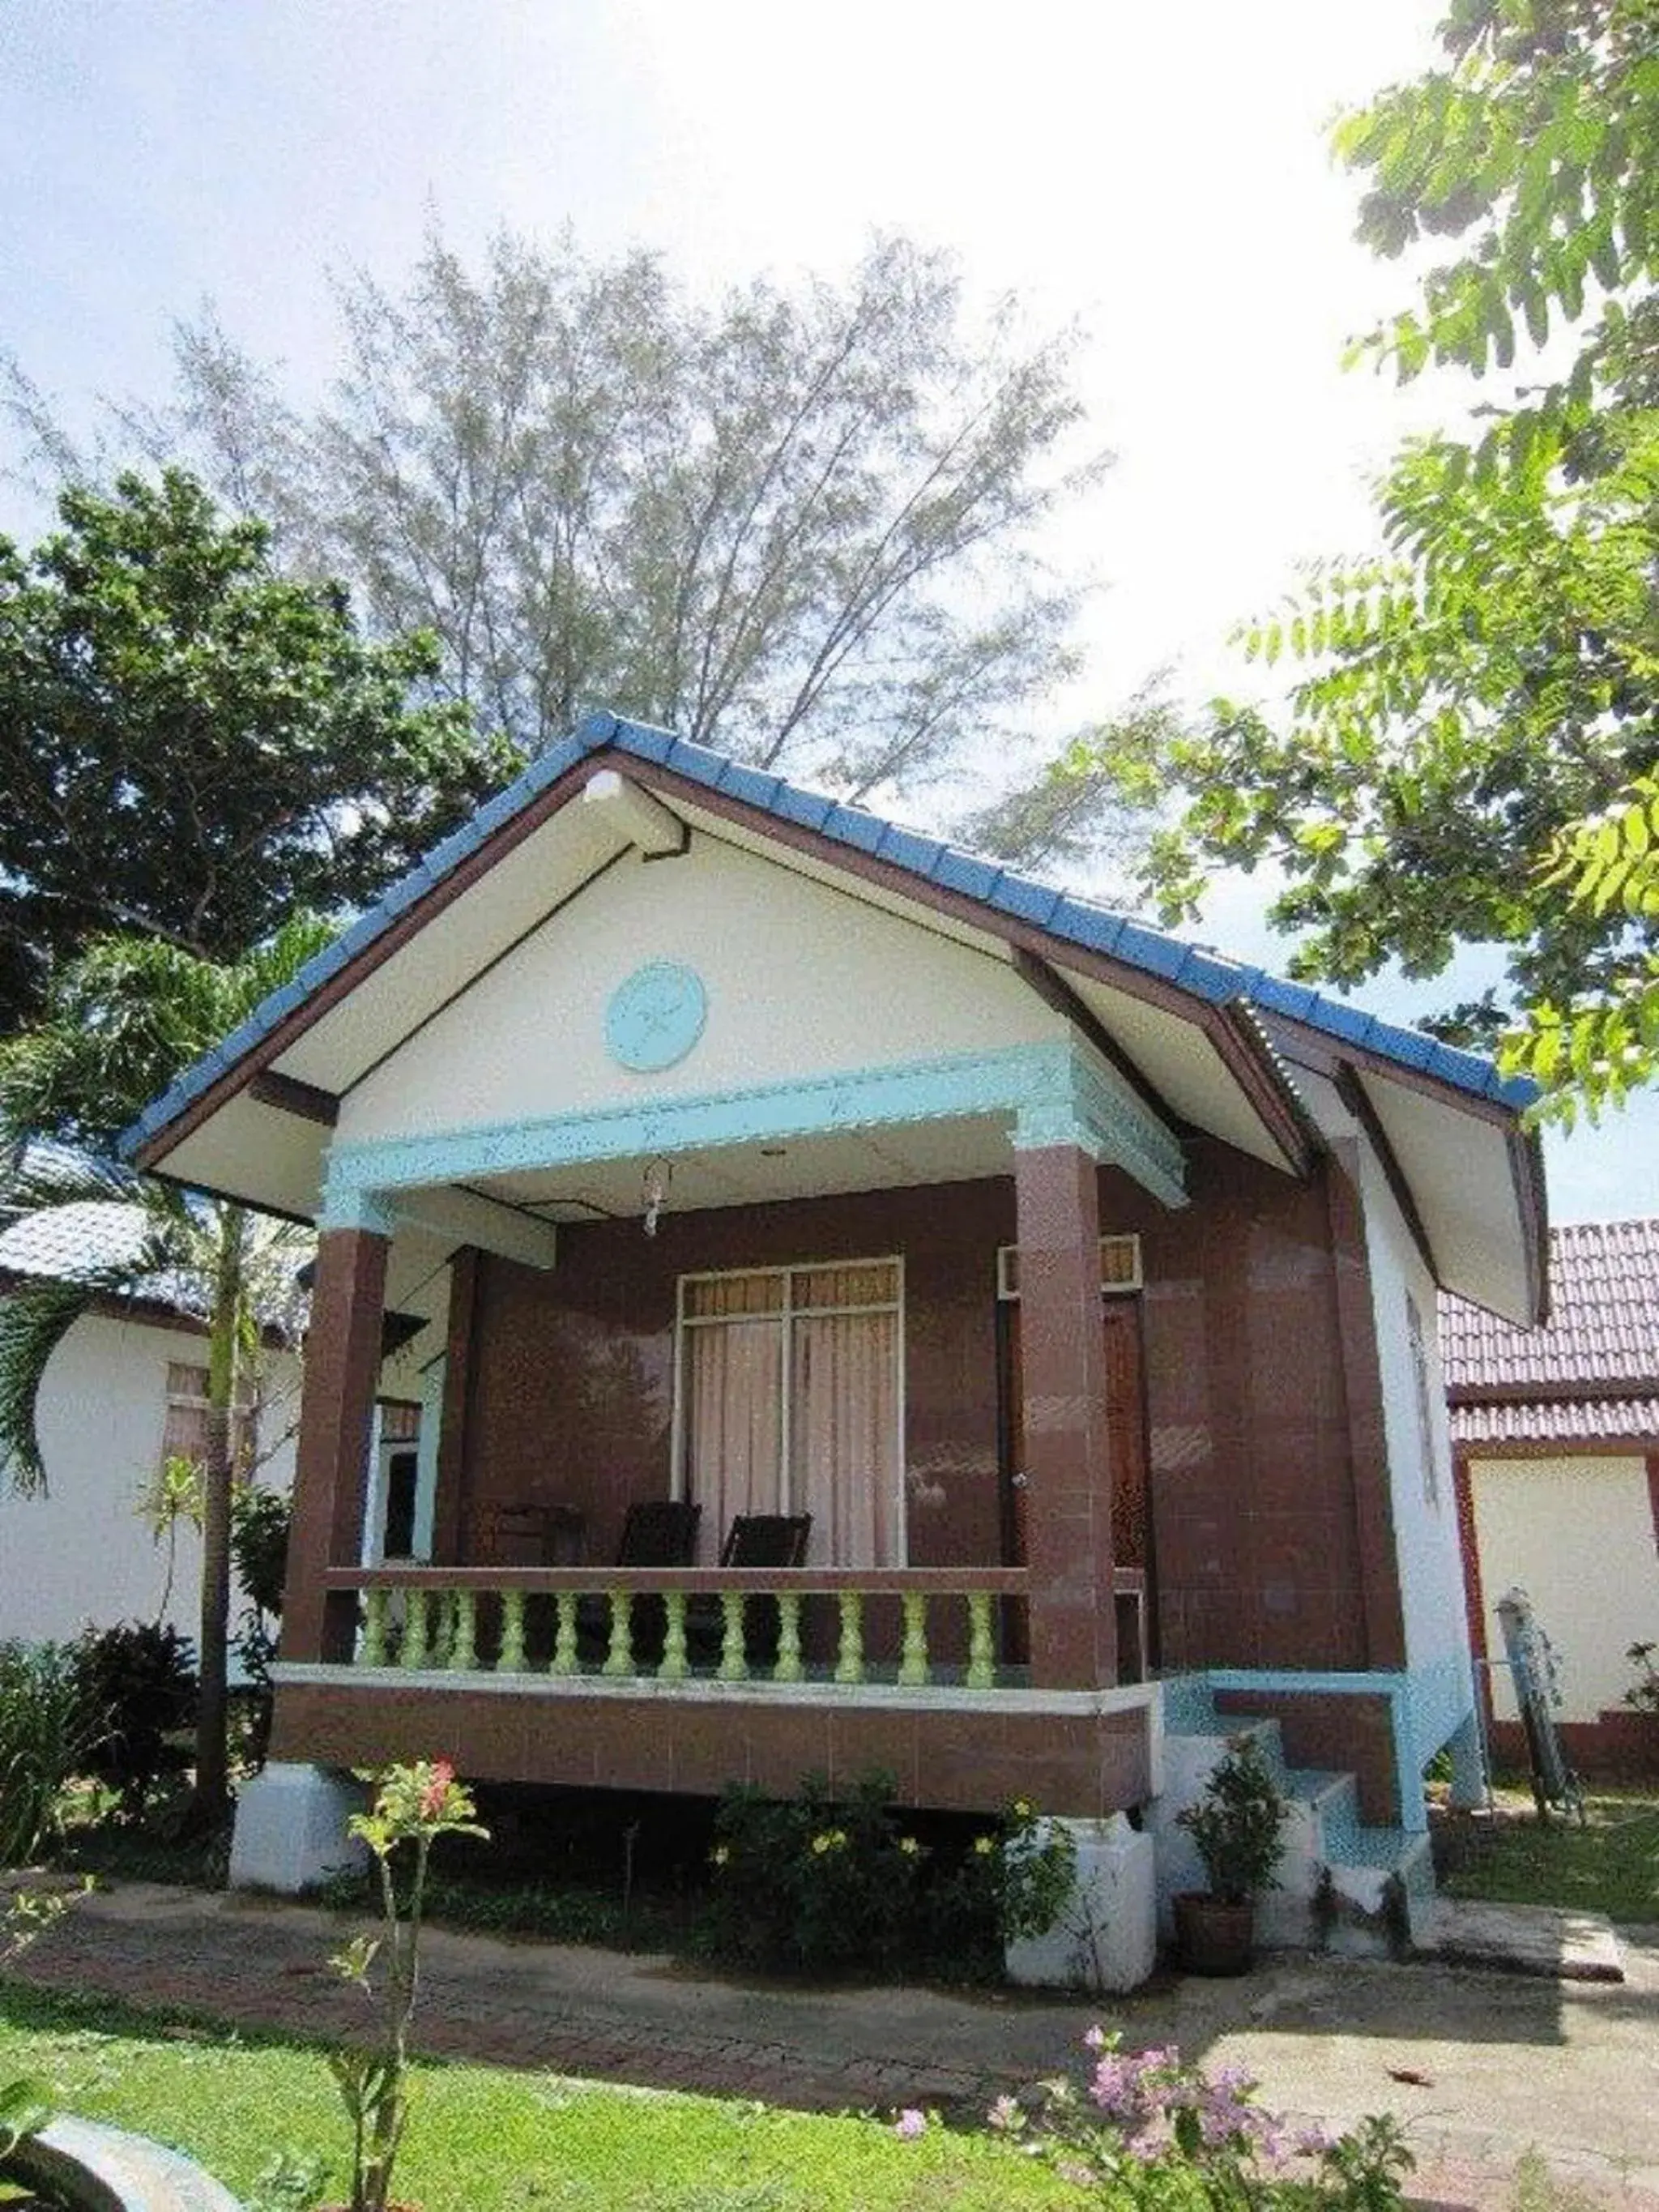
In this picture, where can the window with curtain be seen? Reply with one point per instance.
(792, 1401)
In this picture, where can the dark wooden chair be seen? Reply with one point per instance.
(660, 1531)
(767, 1539)
(755, 1540)
(656, 1532)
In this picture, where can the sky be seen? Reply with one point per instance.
(1157, 179)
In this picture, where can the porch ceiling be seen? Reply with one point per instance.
(814, 1166)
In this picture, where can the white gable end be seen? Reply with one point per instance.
(801, 980)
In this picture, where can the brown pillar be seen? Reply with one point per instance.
(450, 1531)
(342, 1374)
(1063, 1356)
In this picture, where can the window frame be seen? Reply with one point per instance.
(783, 1317)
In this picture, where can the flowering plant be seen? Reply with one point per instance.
(812, 1883)
(1142, 2116)
(1146, 2127)
(413, 1805)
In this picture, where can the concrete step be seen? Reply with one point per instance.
(1332, 1797)
(1346, 1886)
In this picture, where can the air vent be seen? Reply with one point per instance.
(1120, 1267)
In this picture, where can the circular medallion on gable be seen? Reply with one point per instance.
(656, 1016)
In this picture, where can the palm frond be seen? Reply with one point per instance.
(44, 1176)
(34, 1320)
(38, 1309)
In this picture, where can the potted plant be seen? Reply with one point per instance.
(1235, 1828)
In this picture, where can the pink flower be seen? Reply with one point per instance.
(438, 1788)
(1006, 2113)
(910, 2124)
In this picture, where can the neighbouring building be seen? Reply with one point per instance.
(125, 1391)
(1556, 1436)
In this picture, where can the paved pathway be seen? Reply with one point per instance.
(1483, 2065)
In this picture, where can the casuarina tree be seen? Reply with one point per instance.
(803, 523)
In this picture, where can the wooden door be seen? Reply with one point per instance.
(1126, 1440)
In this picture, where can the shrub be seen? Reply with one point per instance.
(1235, 1825)
(43, 1729)
(259, 1522)
(136, 1685)
(1007, 1882)
(810, 1882)
(1644, 1692)
(819, 1883)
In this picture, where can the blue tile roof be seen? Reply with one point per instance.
(1205, 974)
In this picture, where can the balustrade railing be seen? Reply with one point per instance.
(672, 1624)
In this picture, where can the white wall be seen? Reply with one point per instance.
(801, 980)
(82, 1554)
(1578, 1535)
(1425, 1502)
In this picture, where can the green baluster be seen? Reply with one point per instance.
(619, 1660)
(733, 1667)
(414, 1653)
(849, 1667)
(463, 1642)
(443, 1621)
(789, 1668)
(674, 1668)
(564, 1640)
(373, 1652)
(913, 1656)
(982, 1669)
(512, 1660)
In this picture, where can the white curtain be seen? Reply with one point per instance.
(734, 1376)
(844, 1450)
(844, 1446)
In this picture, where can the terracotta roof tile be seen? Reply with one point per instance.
(1556, 1421)
(1592, 1370)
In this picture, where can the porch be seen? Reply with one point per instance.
(837, 1347)
(697, 1677)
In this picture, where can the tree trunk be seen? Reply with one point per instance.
(212, 1795)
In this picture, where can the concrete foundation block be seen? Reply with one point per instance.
(291, 1831)
(1106, 1937)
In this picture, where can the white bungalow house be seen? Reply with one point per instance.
(1070, 1288)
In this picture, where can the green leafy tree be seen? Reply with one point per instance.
(800, 523)
(120, 1021)
(1601, 1043)
(1462, 703)
(191, 744)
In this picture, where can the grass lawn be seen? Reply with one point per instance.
(1610, 1865)
(482, 2139)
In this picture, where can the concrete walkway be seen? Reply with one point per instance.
(1482, 2065)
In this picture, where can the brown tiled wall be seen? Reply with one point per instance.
(1255, 1524)
(573, 1384)
(1084, 1766)
(1617, 1747)
(1257, 1559)
(1343, 1734)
